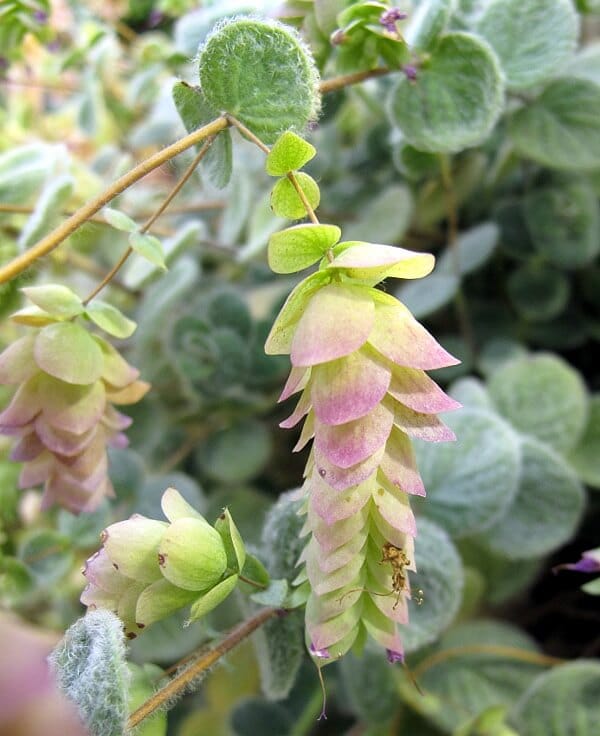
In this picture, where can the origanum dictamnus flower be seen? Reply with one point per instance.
(68, 383)
(359, 357)
(147, 569)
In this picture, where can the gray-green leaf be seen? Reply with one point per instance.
(533, 38)
(471, 482)
(546, 510)
(456, 99)
(561, 128)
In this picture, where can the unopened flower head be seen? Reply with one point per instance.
(147, 569)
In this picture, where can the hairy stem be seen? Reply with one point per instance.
(56, 237)
(152, 219)
(521, 655)
(180, 682)
(460, 301)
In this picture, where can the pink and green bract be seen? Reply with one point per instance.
(359, 357)
(63, 411)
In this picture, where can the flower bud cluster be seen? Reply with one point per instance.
(359, 357)
(147, 569)
(63, 411)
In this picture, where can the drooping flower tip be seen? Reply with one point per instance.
(589, 563)
(320, 653)
(410, 72)
(393, 657)
(389, 18)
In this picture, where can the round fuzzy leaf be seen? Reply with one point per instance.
(66, 351)
(456, 100)
(427, 295)
(286, 202)
(565, 700)
(498, 351)
(57, 300)
(538, 292)
(585, 457)
(289, 153)
(110, 319)
(542, 396)
(471, 482)
(300, 246)
(370, 683)
(236, 454)
(260, 72)
(546, 510)
(465, 684)
(440, 576)
(564, 223)
(561, 128)
(533, 38)
(471, 392)
(427, 21)
(280, 649)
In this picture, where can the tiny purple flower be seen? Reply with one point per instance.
(410, 72)
(40, 16)
(394, 657)
(321, 653)
(390, 17)
(589, 562)
(155, 18)
(3, 63)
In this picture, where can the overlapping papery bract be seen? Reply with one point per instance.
(146, 569)
(63, 413)
(359, 357)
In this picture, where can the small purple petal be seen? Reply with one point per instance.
(389, 18)
(321, 653)
(589, 562)
(410, 72)
(394, 657)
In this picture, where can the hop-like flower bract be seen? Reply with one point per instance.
(359, 357)
(63, 411)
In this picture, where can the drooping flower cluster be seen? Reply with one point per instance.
(63, 411)
(147, 569)
(359, 357)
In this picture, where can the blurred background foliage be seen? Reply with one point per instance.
(513, 217)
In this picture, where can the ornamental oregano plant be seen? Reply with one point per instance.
(326, 154)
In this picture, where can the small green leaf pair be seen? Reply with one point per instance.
(290, 153)
(55, 303)
(143, 244)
